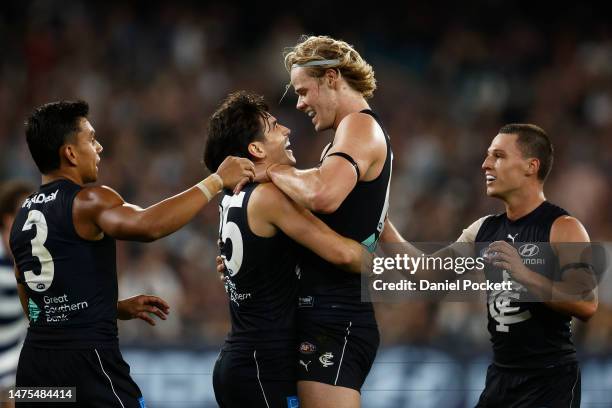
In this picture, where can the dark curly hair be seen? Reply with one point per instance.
(236, 123)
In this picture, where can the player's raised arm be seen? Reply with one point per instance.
(269, 203)
(359, 149)
(113, 216)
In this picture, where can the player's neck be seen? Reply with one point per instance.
(62, 174)
(523, 202)
(349, 103)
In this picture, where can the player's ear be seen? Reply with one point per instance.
(331, 78)
(533, 165)
(257, 150)
(68, 152)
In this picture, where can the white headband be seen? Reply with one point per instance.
(317, 63)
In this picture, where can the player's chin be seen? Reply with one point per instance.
(492, 192)
(321, 127)
(290, 159)
(92, 178)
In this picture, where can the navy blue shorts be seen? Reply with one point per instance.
(336, 350)
(256, 378)
(101, 376)
(542, 388)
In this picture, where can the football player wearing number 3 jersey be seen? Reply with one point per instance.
(63, 245)
(259, 228)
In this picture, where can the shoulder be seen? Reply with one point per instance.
(97, 198)
(360, 136)
(469, 234)
(568, 229)
(361, 127)
(268, 204)
(267, 196)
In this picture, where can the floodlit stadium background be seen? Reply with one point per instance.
(448, 79)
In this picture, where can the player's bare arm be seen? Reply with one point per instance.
(323, 189)
(390, 235)
(270, 209)
(575, 294)
(101, 210)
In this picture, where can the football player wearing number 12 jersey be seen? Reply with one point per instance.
(534, 358)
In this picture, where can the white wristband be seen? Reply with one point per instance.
(205, 190)
(218, 178)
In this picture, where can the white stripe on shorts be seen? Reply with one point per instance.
(109, 380)
(348, 331)
(258, 379)
(573, 388)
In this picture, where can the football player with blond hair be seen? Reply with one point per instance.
(349, 191)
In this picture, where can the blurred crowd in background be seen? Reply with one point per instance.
(153, 73)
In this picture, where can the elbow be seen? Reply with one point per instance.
(587, 311)
(149, 238)
(321, 202)
(345, 258)
(152, 234)
(349, 259)
(148, 229)
(141, 232)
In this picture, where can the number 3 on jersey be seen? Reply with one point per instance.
(42, 282)
(230, 232)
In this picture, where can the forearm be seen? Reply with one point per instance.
(160, 219)
(309, 231)
(357, 257)
(563, 297)
(583, 310)
(343, 252)
(122, 312)
(397, 245)
(302, 186)
(169, 215)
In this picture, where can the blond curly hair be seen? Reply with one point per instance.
(354, 69)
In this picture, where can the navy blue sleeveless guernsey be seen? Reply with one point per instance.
(361, 217)
(260, 279)
(71, 282)
(526, 334)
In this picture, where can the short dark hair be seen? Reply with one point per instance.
(10, 194)
(533, 142)
(235, 124)
(48, 128)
